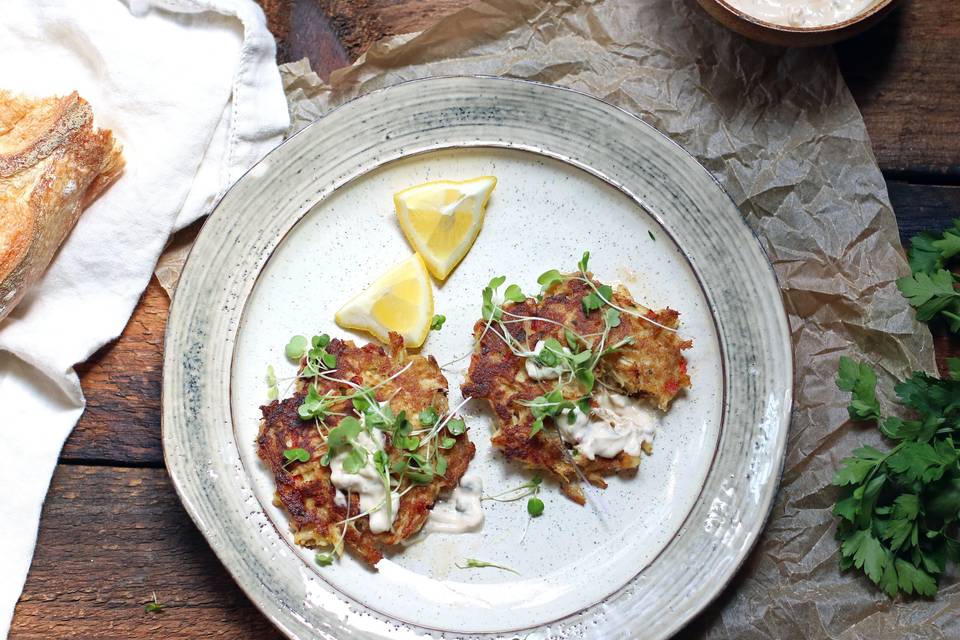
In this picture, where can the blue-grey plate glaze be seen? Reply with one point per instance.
(313, 223)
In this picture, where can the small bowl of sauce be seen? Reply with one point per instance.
(798, 23)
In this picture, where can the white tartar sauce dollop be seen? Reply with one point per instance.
(802, 13)
(461, 512)
(618, 424)
(366, 483)
(537, 371)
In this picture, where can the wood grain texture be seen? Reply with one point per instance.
(904, 75)
(109, 538)
(122, 385)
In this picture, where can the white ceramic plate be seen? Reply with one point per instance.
(313, 223)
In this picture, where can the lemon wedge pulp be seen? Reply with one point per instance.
(400, 300)
(442, 219)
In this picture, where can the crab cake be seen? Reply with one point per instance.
(646, 364)
(372, 416)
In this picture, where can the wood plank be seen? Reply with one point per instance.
(109, 538)
(922, 207)
(904, 76)
(122, 385)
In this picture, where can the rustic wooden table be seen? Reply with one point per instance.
(113, 531)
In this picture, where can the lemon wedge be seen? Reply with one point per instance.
(442, 219)
(400, 300)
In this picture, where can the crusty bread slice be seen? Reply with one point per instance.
(53, 164)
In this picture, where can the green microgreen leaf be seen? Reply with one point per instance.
(314, 405)
(296, 455)
(436, 322)
(536, 427)
(324, 559)
(154, 606)
(296, 348)
(345, 432)
(535, 507)
(456, 426)
(548, 279)
(428, 417)
(514, 294)
(582, 265)
(273, 391)
(446, 443)
(473, 563)
(355, 460)
(597, 299)
(611, 317)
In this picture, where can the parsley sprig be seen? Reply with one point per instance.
(899, 508)
(931, 288)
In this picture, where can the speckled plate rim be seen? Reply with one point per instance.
(489, 112)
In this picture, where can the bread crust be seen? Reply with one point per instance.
(53, 164)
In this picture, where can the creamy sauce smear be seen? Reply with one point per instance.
(802, 13)
(366, 483)
(618, 424)
(537, 371)
(461, 512)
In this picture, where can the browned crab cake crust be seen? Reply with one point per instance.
(651, 367)
(305, 490)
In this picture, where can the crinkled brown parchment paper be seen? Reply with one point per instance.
(779, 129)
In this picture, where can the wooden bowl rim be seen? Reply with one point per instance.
(860, 17)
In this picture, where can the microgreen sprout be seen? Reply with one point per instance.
(295, 455)
(273, 391)
(529, 488)
(473, 563)
(154, 606)
(436, 323)
(324, 559)
(296, 348)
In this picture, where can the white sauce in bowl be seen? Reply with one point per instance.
(802, 13)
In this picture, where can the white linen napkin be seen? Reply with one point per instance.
(192, 91)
